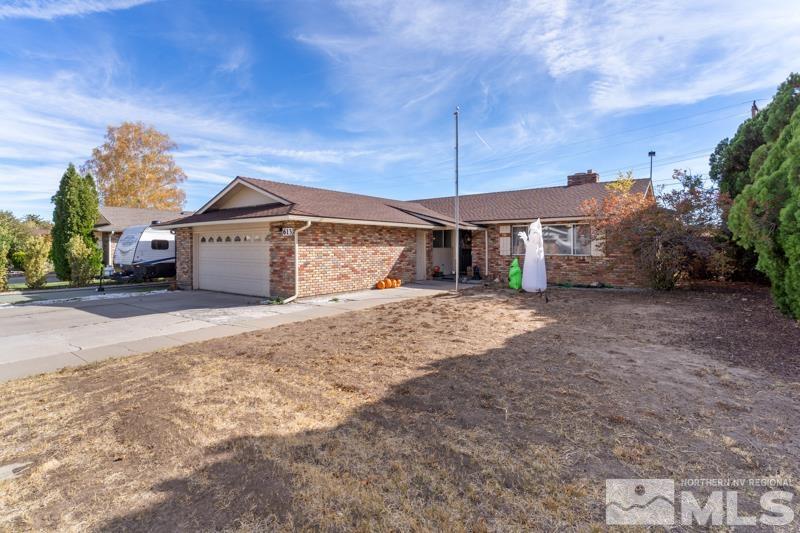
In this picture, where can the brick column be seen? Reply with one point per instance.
(281, 260)
(184, 258)
(479, 251)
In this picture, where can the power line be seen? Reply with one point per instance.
(676, 158)
(440, 167)
(593, 149)
(648, 126)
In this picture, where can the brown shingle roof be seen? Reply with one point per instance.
(313, 201)
(526, 204)
(321, 203)
(119, 218)
(234, 213)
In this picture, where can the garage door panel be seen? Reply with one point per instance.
(237, 267)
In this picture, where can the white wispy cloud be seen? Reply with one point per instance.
(50, 9)
(612, 55)
(236, 59)
(47, 123)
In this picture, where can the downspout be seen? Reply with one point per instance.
(297, 264)
(486, 253)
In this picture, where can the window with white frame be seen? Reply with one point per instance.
(442, 239)
(559, 239)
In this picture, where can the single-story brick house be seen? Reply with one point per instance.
(112, 221)
(275, 239)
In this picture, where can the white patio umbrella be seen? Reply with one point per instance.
(534, 274)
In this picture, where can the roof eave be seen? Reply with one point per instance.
(301, 218)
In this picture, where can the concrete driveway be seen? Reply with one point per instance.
(36, 338)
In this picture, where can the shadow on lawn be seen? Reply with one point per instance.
(519, 436)
(465, 430)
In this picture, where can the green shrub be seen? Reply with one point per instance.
(36, 251)
(3, 265)
(765, 217)
(18, 260)
(84, 261)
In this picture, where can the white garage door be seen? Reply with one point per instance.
(236, 262)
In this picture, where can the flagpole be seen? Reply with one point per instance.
(455, 206)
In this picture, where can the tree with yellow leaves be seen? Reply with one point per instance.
(134, 168)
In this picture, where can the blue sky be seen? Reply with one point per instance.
(359, 95)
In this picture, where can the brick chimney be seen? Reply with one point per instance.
(582, 178)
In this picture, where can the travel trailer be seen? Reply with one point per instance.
(145, 253)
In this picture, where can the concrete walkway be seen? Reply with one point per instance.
(46, 295)
(37, 338)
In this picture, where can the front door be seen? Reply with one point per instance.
(464, 250)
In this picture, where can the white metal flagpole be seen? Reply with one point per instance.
(455, 208)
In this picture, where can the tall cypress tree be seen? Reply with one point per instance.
(75, 213)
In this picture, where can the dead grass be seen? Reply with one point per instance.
(489, 411)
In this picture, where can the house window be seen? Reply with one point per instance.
(442, 239)
(582, 239)
(159, 244)
(517, 246)
(559, 239)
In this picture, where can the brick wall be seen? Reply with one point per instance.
(281, 261)
(184, 258)
(479, 251)
(345, 257)
(618, 269)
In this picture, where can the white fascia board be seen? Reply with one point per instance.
(231, 185)
(285, 218)
(530, 220)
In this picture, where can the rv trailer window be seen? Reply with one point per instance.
(159, 244)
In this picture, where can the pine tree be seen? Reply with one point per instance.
(75, 213)
(765, 217)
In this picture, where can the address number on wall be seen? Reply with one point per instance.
(287, 232)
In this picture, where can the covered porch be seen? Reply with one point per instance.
(470, 248)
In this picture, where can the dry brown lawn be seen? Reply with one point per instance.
(487, 411)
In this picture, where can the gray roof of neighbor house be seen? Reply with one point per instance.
(119, 218)
(305, 201)
(526, 204)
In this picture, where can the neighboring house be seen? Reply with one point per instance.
(268, 238)
(113, 221)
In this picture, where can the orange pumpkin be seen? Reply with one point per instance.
(395, 284)
(399, 282)
(380, 285)
(387, 283)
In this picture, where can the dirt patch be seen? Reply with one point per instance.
(487, 411)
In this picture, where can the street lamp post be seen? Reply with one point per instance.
(652, 154)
